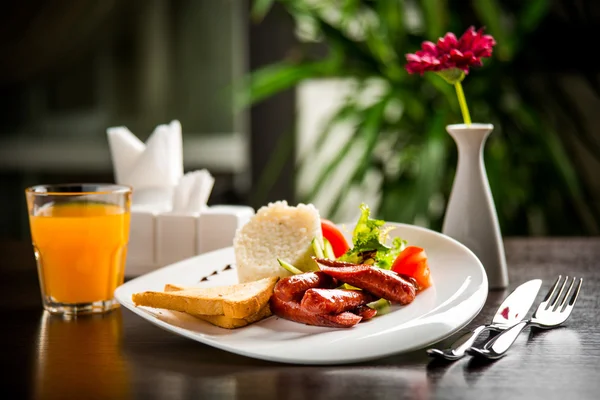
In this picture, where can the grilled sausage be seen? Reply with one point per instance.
(294, 312)
(382, 283)
(334, 301)
(365, 312)
(293, 287)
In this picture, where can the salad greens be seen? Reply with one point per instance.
(368, 246)
(369, 242)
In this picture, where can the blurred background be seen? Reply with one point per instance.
(308, 101)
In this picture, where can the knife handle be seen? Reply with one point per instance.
(499, 345)
(459, 348)
(466, 341)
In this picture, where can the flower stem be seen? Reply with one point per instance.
(463, 103)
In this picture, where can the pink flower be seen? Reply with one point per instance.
(450, 53)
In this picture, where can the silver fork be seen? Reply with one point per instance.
(551, 312)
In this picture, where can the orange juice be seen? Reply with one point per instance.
(81, 250)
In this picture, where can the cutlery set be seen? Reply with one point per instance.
(509, 320)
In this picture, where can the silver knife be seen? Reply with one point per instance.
(512, 310)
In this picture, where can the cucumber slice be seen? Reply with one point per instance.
(317, 248)
(289, 267)
(328, 250)
(348, 287)
(382, 306)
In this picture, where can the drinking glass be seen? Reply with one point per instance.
(79, 234)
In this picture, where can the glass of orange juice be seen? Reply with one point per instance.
(80, 234)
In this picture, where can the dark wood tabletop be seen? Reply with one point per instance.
(122, 356)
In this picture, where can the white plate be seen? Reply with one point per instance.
(458, 293)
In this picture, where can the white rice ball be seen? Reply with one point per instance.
(277, 230)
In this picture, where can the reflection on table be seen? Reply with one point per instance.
(81, 357)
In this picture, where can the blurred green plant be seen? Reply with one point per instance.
(533, 180)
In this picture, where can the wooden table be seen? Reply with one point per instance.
(122, 356)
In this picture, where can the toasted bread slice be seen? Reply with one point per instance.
(169, 287)
(221, 320)
(232, 323)
(235, 301)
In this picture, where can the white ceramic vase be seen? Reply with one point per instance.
(470, 214)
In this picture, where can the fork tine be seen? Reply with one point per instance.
(575, 294)
(562, 288)
(564, 300)
(550, 293)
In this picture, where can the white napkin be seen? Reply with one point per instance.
(125, 149)
(153, 169)
(192, 193)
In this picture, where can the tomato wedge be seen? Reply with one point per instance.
(335, 237)
(412, 261)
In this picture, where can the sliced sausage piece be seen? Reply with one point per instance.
(293, 287)
(294, 312)
(380, 282)
(365, 312)
(334, 301)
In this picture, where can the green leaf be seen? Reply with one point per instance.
(367, 130)
(446, 90)
(369, 133)
(409, 195)
(532, 14)
(369, 242)
(564, 168)
(273, 79)
(432, 161)
(332, 165)
(569, 176)
(371, 130)
(367, 234)
(391, 22)
(260, 8)
(492, 15)
(350, 9)
(436, 18)
(355, 51)
(345, 112)
(573, 114)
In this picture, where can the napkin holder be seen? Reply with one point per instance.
(160, 238)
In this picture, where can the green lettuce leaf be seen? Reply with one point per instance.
(385, 259)
(369, 242)
(368, 235)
